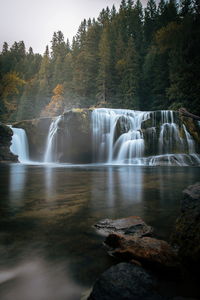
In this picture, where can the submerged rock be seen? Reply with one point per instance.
(129, 226)
(125, 281)
(5, 142)
(187, 232)
(153, 253)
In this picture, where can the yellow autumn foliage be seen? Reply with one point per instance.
(56, 105)
(11, 82)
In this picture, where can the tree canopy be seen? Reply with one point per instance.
(139, 58)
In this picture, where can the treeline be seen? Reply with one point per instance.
(138, 58)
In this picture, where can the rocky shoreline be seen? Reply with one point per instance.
(147, 266)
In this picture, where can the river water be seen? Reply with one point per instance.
(48, 247)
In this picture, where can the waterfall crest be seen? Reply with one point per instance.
(123, 136)
(19, 144)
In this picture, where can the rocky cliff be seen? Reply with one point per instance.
(74, 129)
(5, 141)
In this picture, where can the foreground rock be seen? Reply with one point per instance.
(129, 226)
(5, 142)
(125, 281)
(187, 232)
(150, 252)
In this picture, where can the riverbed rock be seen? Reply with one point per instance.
(125, 281)
(129, 226)
(150, 252)
(187, 232)
(5, 142)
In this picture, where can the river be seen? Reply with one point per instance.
(48, 246)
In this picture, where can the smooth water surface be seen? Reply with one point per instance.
(48, 247)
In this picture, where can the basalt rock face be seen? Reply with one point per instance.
(187, 233)
(193, 127)
(36, 130)
(5, 141)
(75, 136)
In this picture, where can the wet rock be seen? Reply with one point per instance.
(150, 252)
(76, 132)
(129, 226)
(5, 142)
(123, 125)
(125, 281)
(187, 232)
(193, 128)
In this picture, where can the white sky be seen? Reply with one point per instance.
(34, 21)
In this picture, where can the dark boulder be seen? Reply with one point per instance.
(5, 142)
(187, 233)
(125, 281)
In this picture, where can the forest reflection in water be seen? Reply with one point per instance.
(48, 247)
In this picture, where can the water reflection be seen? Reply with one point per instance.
(118, 186)
(131, 184)
(55, 208)
(50, 188)
(17, 181)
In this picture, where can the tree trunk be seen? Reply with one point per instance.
(185, 113)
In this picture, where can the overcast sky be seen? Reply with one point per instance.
(34, 21)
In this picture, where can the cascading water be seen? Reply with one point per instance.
(120, 137)
(51, 146)
(169, 134)
(19, 144)
(109, 144)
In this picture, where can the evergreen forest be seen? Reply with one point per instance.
(142, 58)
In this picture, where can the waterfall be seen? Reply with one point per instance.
(51, 145)
(123, 136)
(19, 144)
(109, 144)
(169, 134)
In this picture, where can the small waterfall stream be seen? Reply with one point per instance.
(51, 145)
(19, 144)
